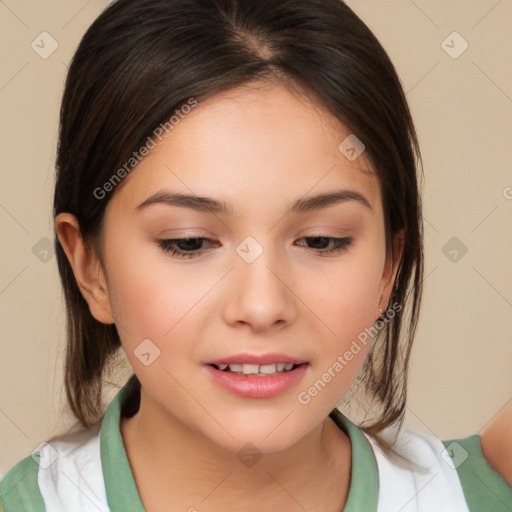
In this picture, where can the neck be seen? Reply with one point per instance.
(173, 464)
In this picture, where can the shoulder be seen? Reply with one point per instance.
(497, 442)
(19, 490)
(65, 466)
(484, 488)
(422, 472)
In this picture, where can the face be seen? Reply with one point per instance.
(262, 275)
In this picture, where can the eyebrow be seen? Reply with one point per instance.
(208, 204)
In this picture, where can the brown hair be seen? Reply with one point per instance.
(142, 59)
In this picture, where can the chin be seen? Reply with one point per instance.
(261, 436)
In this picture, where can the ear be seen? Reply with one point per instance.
(390, 269)
(87, 268)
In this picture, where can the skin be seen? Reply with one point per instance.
(497, 443)
(259, 148)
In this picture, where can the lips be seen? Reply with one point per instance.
(257, 376)
(256, 386)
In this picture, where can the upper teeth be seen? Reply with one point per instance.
(249, 369)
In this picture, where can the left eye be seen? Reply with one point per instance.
(323, 245)
(193, 247)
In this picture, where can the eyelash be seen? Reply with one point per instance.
(169, 245)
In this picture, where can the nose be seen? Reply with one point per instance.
(259, 294)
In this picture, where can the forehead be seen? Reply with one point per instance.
(261, 143)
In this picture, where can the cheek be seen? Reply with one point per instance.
(347, 299)
(143, 294)
(155, 299)
(150, 309)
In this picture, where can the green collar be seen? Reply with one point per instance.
(121, 489)
(364, 477)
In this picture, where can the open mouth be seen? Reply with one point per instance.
(266, 370)
(251, 380)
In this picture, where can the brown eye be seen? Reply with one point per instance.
(328, 244)
(184, 247)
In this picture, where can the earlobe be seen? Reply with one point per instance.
(87, 268)
(391, 268)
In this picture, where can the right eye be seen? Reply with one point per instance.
(184, 247)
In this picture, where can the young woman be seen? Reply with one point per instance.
(237, 211)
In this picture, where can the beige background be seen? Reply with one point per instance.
(461, 372)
